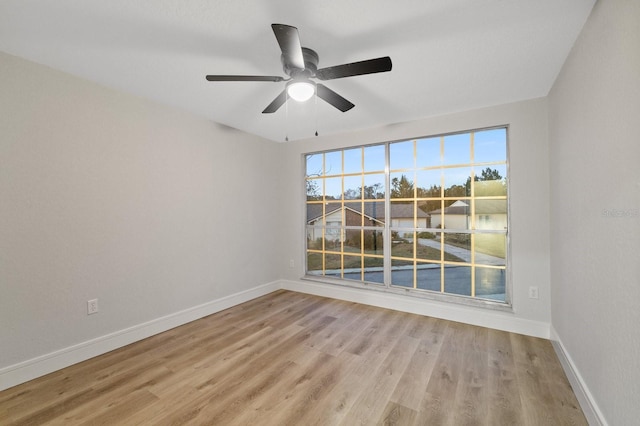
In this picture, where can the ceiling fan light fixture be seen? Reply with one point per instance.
(301, 90)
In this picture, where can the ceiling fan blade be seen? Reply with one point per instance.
(276, 103)
(244, 78)
(333, 98)
(370, 66)
(289, 42)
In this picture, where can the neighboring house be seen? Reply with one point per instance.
(456, 216)
(402, 216)
(352, 212)
(489, 214)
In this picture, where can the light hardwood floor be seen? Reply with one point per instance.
(295, 359)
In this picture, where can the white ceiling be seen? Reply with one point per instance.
(448, 55)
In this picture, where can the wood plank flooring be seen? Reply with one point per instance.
(294, 359)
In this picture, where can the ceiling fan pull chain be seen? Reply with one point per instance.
(316, 108)
(286, 118)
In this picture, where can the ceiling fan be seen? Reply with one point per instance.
(301, 65)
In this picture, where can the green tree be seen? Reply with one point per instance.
(313, 187)
(432, 192)
(490, 183)
(401, 188)
(486, 174)
(490, 174)
(313, 190)
(459, 190)
(351, 194)
(373, 191)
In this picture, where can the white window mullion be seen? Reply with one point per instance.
(387, 219)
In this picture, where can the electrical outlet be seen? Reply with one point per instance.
(292, 264)
(533, 292)
(92, 306)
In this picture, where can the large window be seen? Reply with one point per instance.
(425, 215)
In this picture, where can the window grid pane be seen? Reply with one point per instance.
(447, 204)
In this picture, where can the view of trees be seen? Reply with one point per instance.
(489, 182)
(375, 191)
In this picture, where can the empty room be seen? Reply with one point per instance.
(333, 213)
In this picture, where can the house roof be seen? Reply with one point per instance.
(372, 210)
(482, 207)
(461, 210)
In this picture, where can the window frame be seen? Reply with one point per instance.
(387, 285)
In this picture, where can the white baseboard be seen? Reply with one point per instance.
(27, 370)
(460, 313)
(585, 398)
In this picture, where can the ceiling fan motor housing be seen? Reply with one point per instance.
(310, 65)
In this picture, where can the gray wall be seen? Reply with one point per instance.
(105, 195)
(594, 111)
